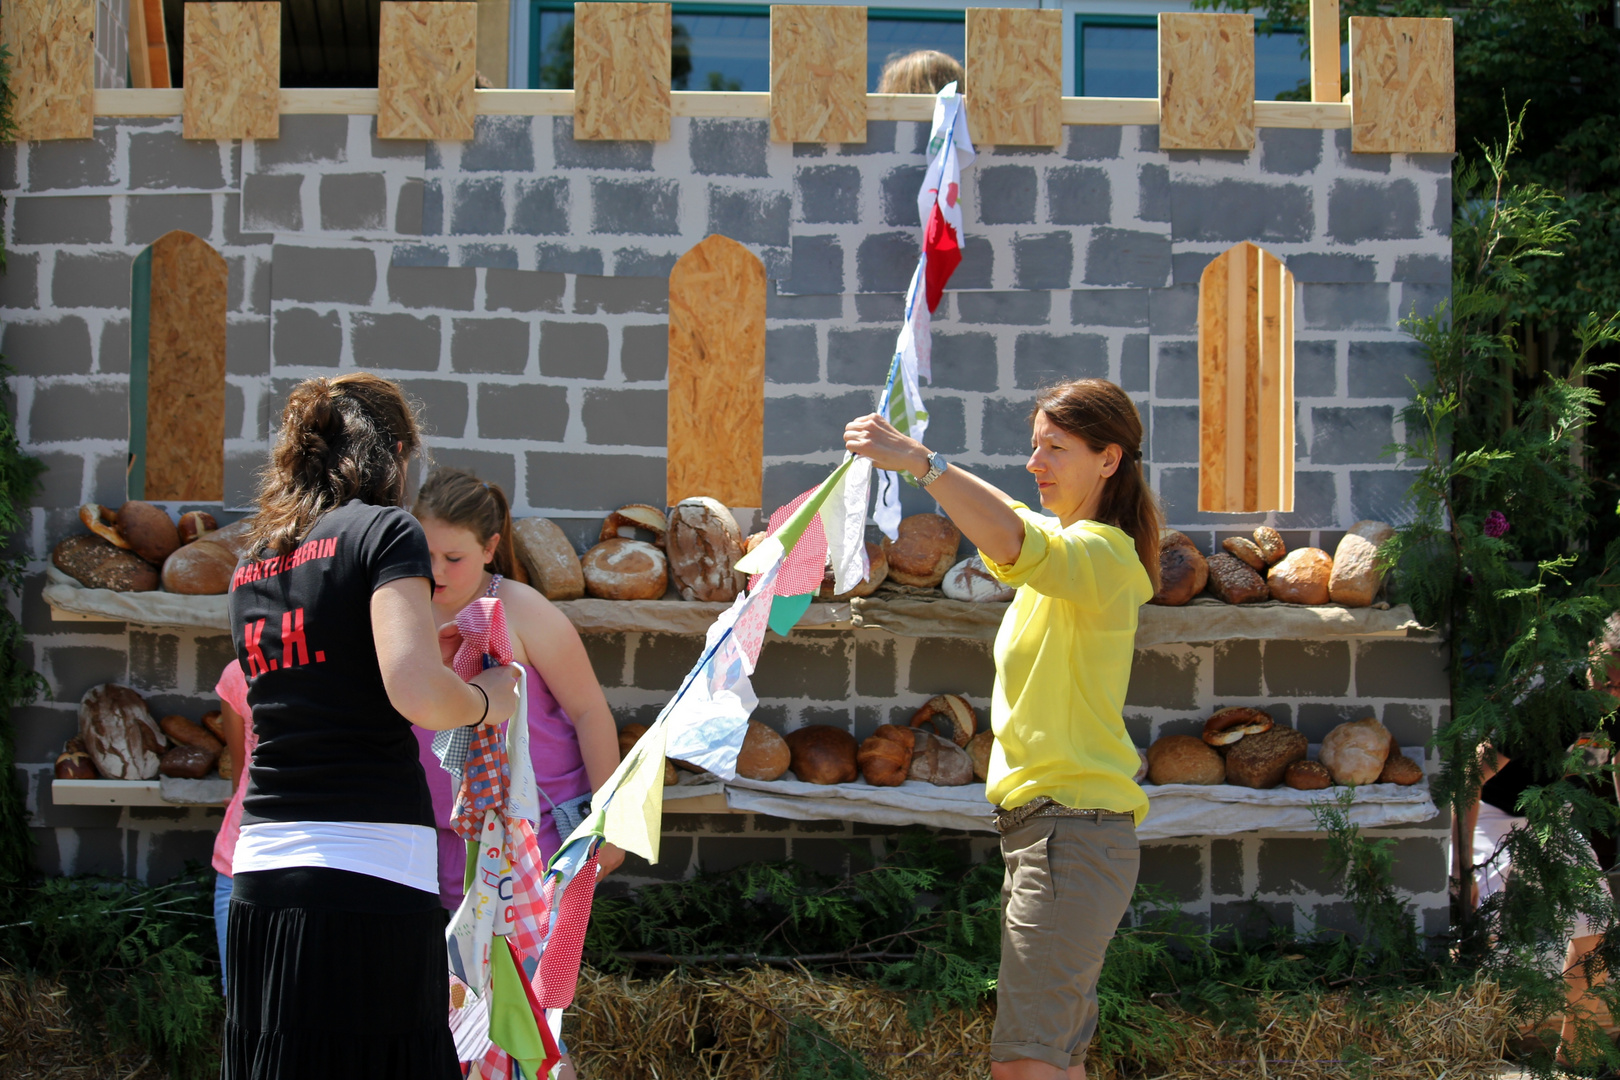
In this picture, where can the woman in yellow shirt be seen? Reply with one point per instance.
(1062, 765)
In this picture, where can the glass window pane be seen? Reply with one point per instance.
(890, 37)
(724, 52)
(1119, 61)
(1279, 64)
(553, 49)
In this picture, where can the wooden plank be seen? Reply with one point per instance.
(232, 70)
(494, 31)
(425, 68)
(1326, 84)
(1302, 114)
(157, 43)
(140, 70)
(53, 67)
(1239, 345)
(1286, 502)
(818, 73)
(717, 374)
(709, 103)
(185, 384)
(1212, 378)
(1402, 97)
(622, 71)
(1270, 426)
(1087, 110)
(1206, 81)
(1015, 76)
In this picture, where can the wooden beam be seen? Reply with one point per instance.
(1326, 84)
(1206, 81)
(157, 43)
(232, 70)
(53, 66)
(622, 71)
(140, 68)
(1015, 76)
(425, 69)
(1402, 92)
(494, 40)
(818, 73)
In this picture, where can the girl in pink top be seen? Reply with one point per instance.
(239, 743)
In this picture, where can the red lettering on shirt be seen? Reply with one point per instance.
(294, 650)
(251, 635)
(308, 551)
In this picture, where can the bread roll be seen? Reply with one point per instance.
(624, 522)
(877, 571)
(924, 550)
(1400, 769)
(74, 763)
(628, 737)
(1245, 550)
(1183, 759)
(1233, 580)
(1261, 761)
(704, 544)
(1308, 776)
(1355, 752)
(969, 580)
(214, 721)
(201, 568)
(1270, 543)
(951, 716)
(1355, 578)
(1301, 577)
(184, 733)
(978, 749)
(625, 570)
(822, 754)
(764, 755)
(552, 565)
(96, 564)
(939, 761)
(195, 524)
(119, 733)
(150, 532)
(885, 758)
(1229, 725)
(103, 523)
(188, 762)
(1183, 571)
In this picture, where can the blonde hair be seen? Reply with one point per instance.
(925, 71)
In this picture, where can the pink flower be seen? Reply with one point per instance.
(1496, 525)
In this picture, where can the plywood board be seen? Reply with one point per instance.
(621, 71)
(494, 41)
(1326, 84)
(53, 66)
(818, 73)
(1402, 89)
(1206, 81)
(717, 374)
(1014, 76)
(233, 70)
(185, 372)
(426, 64)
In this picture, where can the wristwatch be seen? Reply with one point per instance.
(936, 468)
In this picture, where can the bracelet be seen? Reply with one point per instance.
(481, 690)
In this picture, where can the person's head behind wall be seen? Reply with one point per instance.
(457, 497)
(925, 71)
(350, 437)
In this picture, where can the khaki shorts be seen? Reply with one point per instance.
(1068, 884)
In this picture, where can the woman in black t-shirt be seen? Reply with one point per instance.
(335, 943)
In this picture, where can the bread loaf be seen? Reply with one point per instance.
(119, 733)
(214, 721)
(628, 737)
(1400, 769)
(1355, 752)
(951, 716)
(195, 524)
(201, 568)
(624, 522)
(1355, 578)
(188, 762)
(704, 544)
(1233, 580)
(885, 758)
(74, 763)
(1229, 725)
(1270, 543)
(150, 532)
(548, 558)
(1183, 759)
(227, 768)
(1261, 761)
(184, 733)
(1245, 550)
(877, 571)
(235, 536)
(939, 761)
(923, 551)
(822, 754)
(1183, 570)
(625, 570)
(96, 564)
(1301, 577)
(978, 749)
(764, 755)
(1308, 776)
(969, 580)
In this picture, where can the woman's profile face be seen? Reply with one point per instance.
(1068, 473)
(458, 562)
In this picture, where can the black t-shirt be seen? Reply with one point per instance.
(331, 745)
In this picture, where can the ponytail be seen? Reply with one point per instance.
(457, 497)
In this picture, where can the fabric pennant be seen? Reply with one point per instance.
(558, 976)
(514, 1025)
(844, 517)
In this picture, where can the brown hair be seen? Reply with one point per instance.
(457, 497)
(345, 438)
(1099, 414)
(922, 72)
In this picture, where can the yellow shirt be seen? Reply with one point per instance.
(1063, 661)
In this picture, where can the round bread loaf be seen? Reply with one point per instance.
(1246, 550)
(939, 761)
(978, 749)
(877, 571)
(188, 762)
(119, 733)
(150, 532)
(764, 755)
(235, 537)
(1183, 759)
(704, 545)
(1235, 581)
(1301, 577)
(629, 735)
(625, 570)
(96, 564)
(1183, 570)
(624, 522)
(185, 733)
(201, 568)
(885, 758)
(1229, 725)
(195, 524)
(951, 715)
(73, 763)
(1308, 776)
(822, 754)
(923, 551)
(214, 721)
(1261, 761)
(1356, 578)
(1355, 752)
(1270, 543)
(969, 580)
(1400, 769)
(551, 562)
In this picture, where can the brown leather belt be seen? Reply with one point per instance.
(1007, 820)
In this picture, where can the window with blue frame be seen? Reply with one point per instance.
(1118, 56)
(728, 46)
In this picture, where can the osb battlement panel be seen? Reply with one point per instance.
(232, 70)
(1206, 81)
(53, 66)
(1402, 86)
(426, 68)
(622, 71)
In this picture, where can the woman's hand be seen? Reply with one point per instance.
(500, 683)
(609, 857)
(874, 437)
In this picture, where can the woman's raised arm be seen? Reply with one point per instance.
(425, 692)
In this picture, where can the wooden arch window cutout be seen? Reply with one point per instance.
(1246, 383)
(177, 371)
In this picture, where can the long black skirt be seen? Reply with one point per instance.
(335, 974)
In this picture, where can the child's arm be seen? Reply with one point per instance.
(235, 740)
